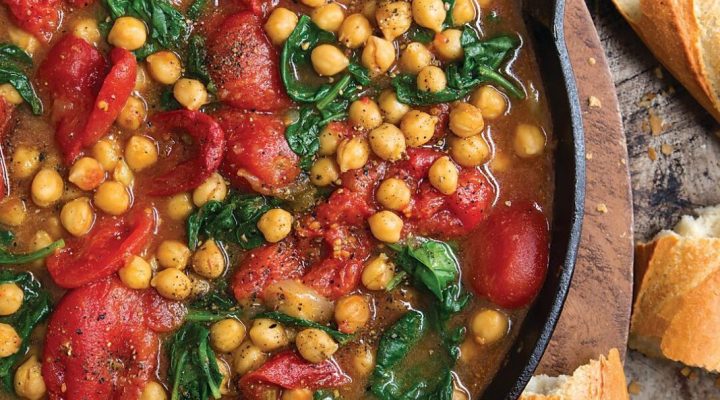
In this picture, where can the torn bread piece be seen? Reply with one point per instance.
(677, 310)
(602, 379)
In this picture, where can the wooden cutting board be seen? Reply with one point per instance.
(597, 311)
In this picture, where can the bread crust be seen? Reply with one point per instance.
(681, 34)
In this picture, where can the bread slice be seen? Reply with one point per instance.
(677, 310)
(684, 36)
(601, 379)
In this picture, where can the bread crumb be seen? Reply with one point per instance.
(666, 149)
(592, 61)
(594, 102)
(588, 156)
(602, 208)
(623, 161)
(634, 388)
(685, 371)
(652, 153)
(657, 125)
(508, 203)
(646, 100)
(659, 73)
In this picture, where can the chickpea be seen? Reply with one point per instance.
(394, 18)
(352, 313)
(378, 273)
(431, 79)
(47, 187)
(268, 335)
(112, 197)
(378, 55)
(429, 13)
(226, 335)
(315, 345)
(328, 60)
(469, 152)
(22, 39)
(363, 361)
(280, 25)
(387, 142)
(353, 153)
(294, 298)
(25, 161)
(415, 57)
(364, 113)
(297, 394)
(164, 67)
(247, 357)
(418, 127)
(275, 225)
(9, 340)
(328, 17)
(213, 189)
(172, 283)
(209, 260)
(87, 29)
(225, 372)
(153, 391)
(490, 101)
(12, 211)
(463, 12)
(466, 120)
(132, 114)
(329, 140)
(77, 216)
(123, 174)
(11, 298)
(392, 109)
(40, 240)
(141, 78)
(106, 153)
(488, 326)
(447, 45)
(324, 172)
(354, 31)
(136, 274)
(443, 175)
(180, 206)
(529, 141)
(140, 152)
(173, 254)
(28, 382)
(128, 32)
(386, 226)
(86, 173)
(500, 163)
(191, 93)
(393, 194)
(10, 94)
(313, 3)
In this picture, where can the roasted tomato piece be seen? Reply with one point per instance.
(179, 172)
(100, 344)
(244, 65)
(416, 166)
(264, 266)
(113, 95)
(6, 110)
(260, 8)
(103, 251)
(290, 371)
(334, 278)
(473, 197)
(39, 17)
(72, 72)
(344, 206)
(508, 255)
(258, 156)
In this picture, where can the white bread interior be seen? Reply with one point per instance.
(684, 36)
(602, 379)
(677, 310)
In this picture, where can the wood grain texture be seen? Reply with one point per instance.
(596, 314)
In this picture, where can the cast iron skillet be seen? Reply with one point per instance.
(544, 19)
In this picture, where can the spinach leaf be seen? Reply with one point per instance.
(168, 101)
(325, 395)
(407, 92)
(6, 257)
(341, 338)
(215, 305)
(196, 9)
(449, 5)
(35, 308)
(420, 34)
(10, 72)
(193, 371)
(233, 220)
(195, 66)
(12, 52)
(302, 136)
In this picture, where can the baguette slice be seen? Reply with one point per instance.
(677, 309)
(602, 379)
(684, 36)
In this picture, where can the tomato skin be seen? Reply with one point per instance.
(244, 65)
(6, 111)
(508, 255)
(113, 95)
(209, 138)
(344, 206)
(39, 17)
(472, 198)
(72, 71)
(103, 251)
(99, 344)
(264, 266)
(416, 166)
(334, 278)
(254, 142)
(260, 8)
